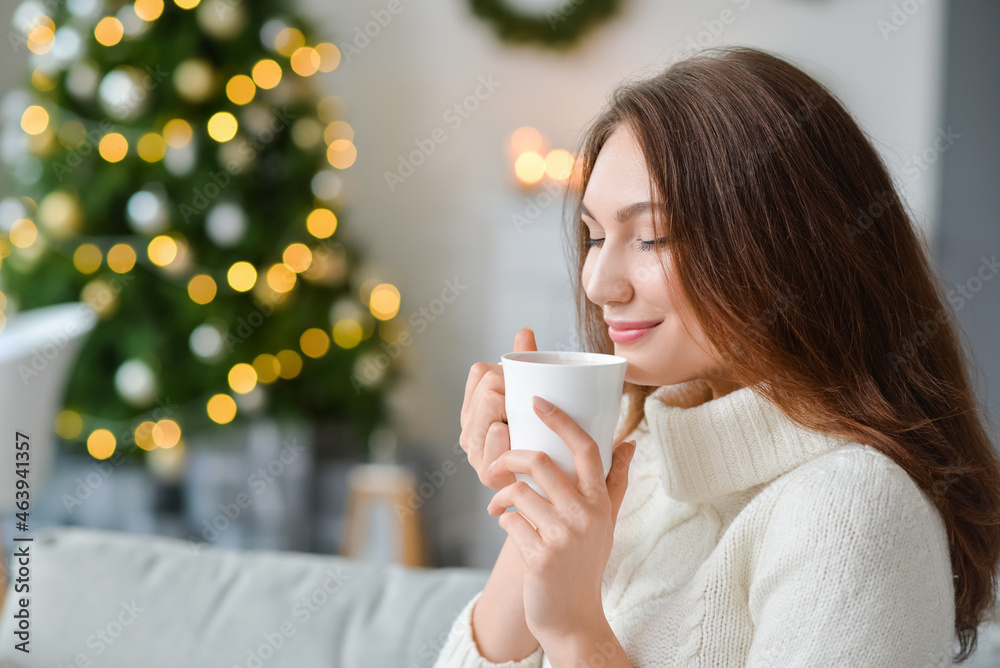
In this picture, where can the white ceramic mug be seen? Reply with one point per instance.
(586, 386)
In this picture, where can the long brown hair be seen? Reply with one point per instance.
(807, 275)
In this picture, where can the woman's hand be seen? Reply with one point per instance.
(485, 435)
(565, 540)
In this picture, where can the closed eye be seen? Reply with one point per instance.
(643, 245)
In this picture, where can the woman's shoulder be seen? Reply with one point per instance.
(857, 484)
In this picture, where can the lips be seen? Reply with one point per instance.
(627, 331)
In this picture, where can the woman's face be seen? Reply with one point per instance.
(625, 278)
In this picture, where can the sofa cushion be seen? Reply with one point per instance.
(110, 599)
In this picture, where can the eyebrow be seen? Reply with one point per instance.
(624, 213)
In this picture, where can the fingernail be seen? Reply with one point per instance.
(492, 464)
(542, 405)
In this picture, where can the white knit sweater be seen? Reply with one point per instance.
(746, 540)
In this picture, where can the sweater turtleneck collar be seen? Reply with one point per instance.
(707, 448)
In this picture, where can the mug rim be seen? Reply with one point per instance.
(602, 359)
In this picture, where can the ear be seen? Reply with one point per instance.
(621, 460)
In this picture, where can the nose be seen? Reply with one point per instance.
(609, 279)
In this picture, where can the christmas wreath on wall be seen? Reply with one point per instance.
(559, 28)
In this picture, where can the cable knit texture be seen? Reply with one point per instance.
(745, 539)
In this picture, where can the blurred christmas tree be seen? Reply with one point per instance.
(178, 171)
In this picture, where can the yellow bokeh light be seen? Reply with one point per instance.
(559, 164)
(101, 444)
(526, 138)
(384, 302)
(177, 133)
(40, 39)
(166, 433)
(151, 147)
(113, 147)
(329, 56)
(289, 364)
(242, 378)
(288, 40)
(69, 424)
(109, 31)
(162, 250)
(202, 289)
(314, 342)
(121, 258)
(305, 61)
(298, 257)
(280, 277)
(266, 73)
(148, 10)
(222, 126)
(23, 233)
(347, 333)
(187, 4)
(242, 276)
(42, 81)
(267, 368)
(34, 120)
(240, 89)
(530, 167)
(144, 435)
(338, 130)
(321, 223)
(87, 258)
(341, 153)
(221, 408)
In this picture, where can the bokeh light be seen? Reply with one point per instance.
(289, 363)
(347, 333)
(87, 258)
(109, 31)
(202, 289)
(240, 89)
(69, 424)
(151, 147)
(162, 250)
(221, 408)
(530, 167)
(298, 257)
(242, 378)
(266, 73)
(241, 276)
(222, 126)
(321, 223)
(384, 302)
(34, 120)
(267, 368)
(314, 342)
(121, 258)
(101, 444)
(113, 147)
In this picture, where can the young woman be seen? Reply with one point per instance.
(811, 483)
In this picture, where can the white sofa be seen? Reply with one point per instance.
(114, 600)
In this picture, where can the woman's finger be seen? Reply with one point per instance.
(497, 443)
(525, 538)
(489, 410)
(550, 524)
(589, 469)
(543, 470)
(476, 373)
(489, 380)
